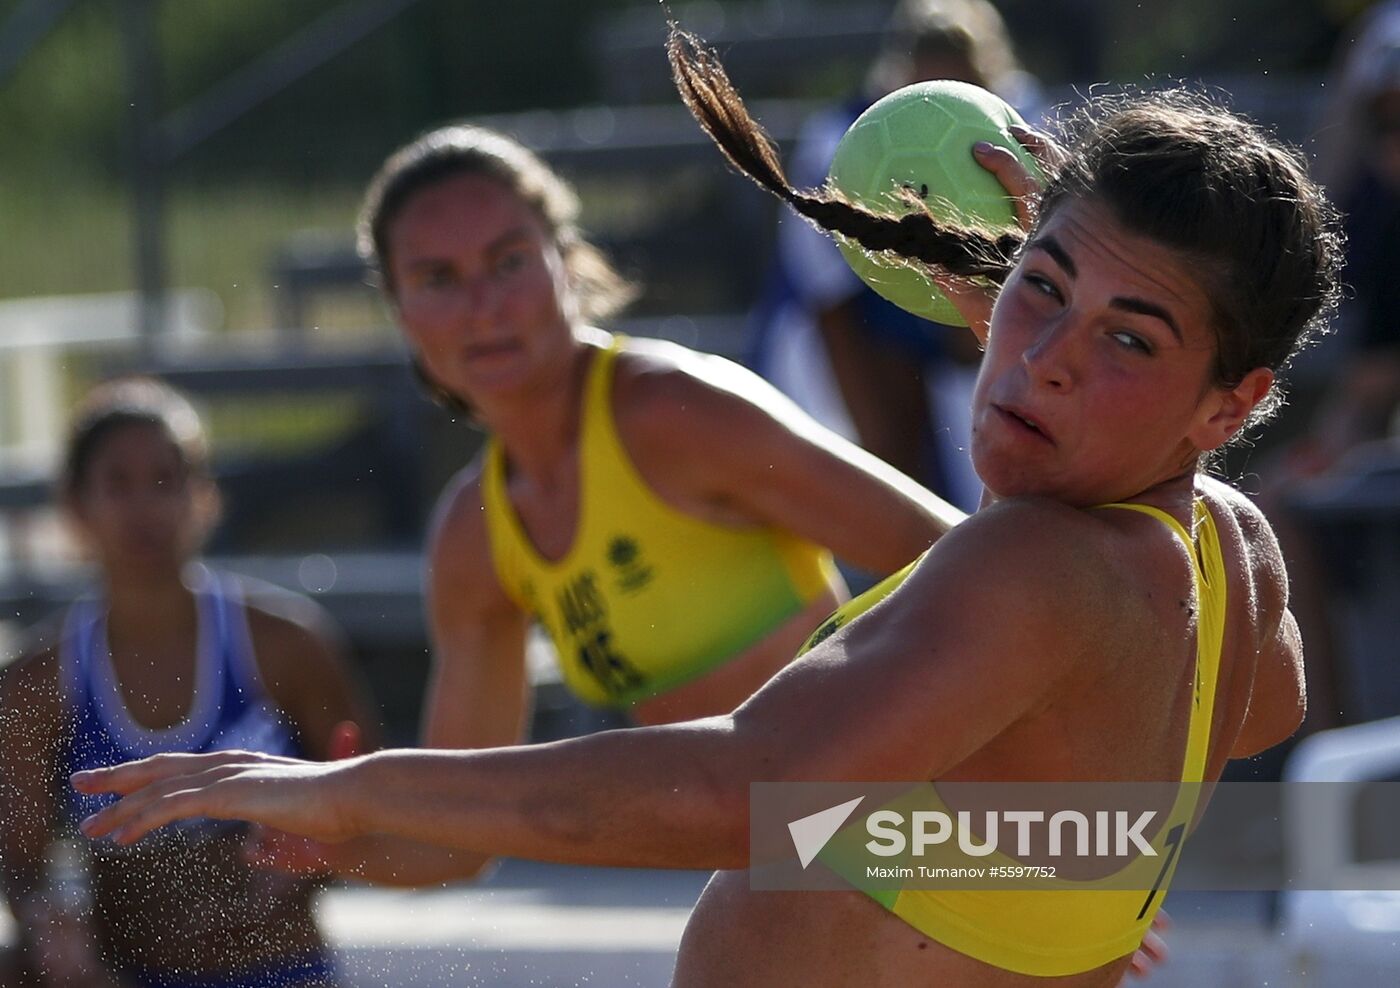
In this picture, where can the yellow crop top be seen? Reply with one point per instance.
(647, 597)
(1064, 927)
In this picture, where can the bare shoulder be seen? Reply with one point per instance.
(660, 387)
(1227, 500)
(1040, 524)
(1046, 553)
(1270, 677)
(283, 622)
(457, 533)
(299, 650)
(1265, 575)
(459, 562)
(1043, 571)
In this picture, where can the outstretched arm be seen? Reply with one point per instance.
(677, 796)
(752, 456)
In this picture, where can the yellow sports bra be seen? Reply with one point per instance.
(647, 597)
(1063, 927)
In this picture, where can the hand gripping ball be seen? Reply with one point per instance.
(920, 137)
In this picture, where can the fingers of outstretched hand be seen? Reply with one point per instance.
(130, 776)
(1014, 177)
(159, 803)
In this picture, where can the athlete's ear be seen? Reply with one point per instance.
(1224, 411)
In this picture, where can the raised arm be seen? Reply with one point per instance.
(677, 796)
(751, 452)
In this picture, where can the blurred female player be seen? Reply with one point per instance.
(667, 516)
(1110, 614)
(664, 514)
(167, 655)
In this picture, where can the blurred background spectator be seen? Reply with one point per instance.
(1329, 489)
(899, 385)
(1359, 160)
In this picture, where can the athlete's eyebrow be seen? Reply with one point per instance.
(1061, 256)
(1139, 306)
(1145, 308)
(509, 238)
(515, 233)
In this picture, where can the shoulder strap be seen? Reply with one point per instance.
(597, 394)
(1208, 572)
(1160, 515)
(233, 638)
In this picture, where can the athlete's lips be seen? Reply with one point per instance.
(1024, 420)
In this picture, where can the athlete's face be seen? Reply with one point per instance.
(479, 287)
(1098, 380)
(140, 508)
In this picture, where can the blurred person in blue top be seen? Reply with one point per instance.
(164, 655)
(897, 384)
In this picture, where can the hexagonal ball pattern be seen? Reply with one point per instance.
(921, 137)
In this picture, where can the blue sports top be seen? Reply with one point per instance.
(230, 708)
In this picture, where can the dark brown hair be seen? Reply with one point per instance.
(115, 405)
(464, 150)
(1172, 166)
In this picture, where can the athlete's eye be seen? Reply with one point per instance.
(1042, 285)
(1132, 341)
(436, 277)
(512, 261)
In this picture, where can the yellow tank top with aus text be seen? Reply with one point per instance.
(1064, 927)
(647, 597)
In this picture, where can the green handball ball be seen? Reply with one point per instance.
(920, 137)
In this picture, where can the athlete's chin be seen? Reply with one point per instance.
(1006, 479)
(1009, 488)
(1010, 476)
(146, 562)
(480, 386)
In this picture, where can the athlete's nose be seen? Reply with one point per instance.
(1051, 356)
(480, 298)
